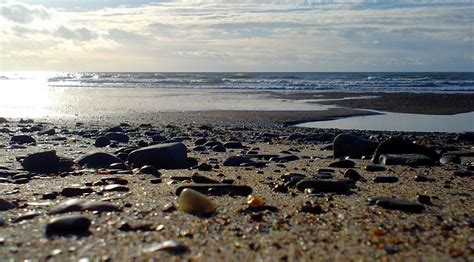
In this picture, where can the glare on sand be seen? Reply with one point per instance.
(25, 97)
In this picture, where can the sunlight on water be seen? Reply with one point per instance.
(26, 97)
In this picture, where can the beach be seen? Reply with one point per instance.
(139, 212)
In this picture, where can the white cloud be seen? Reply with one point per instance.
(248, 35)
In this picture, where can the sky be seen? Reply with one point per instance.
(237, 35)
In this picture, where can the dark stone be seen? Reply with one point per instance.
(118, 166)
(97, 160)
(75, 191)
(199, 148)
(343, 164)
(213, 143)
(219, 148)
(49, 196)
(158, 138)
(167, 156)
(233, 145)
(72, 205)
(385, 179)
(466, 137)
(310, 207)
(200, 142)
(6, 205)
(100, 206)
(237, 161)
(446, 159)
(198, 179)
(353, 174)
(68, 225)
(42, 162)
(47, 131)
(424, 199)
(114, 180)
(102, 141)
(117, 136)
(323, 185)
(398, 145)
(149, 170)
(22, 139)
(422, 178)
(399, 204)
(375, 168)
(352, 146)
(239, 190)
(463, 173)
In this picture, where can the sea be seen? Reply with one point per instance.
(353, 82)
(79, 95)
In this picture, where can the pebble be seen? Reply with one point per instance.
(218, 189)
(343, 164)
(405, 159)
(75, 191)
(463, 173)
(102, 141)
(447, 159)
(192, 201)
(322, 185)
(97, 160)
(374, 168)
(172, 246)
(116, 188)
(42, 162)
(310, 207)
(424, 199)
(47, 131)
(22, 139)
(68, 225)
(117, 136)
(236, 161)
(199, 179)
(233, 145)
(100, 206)
(149, 170)
(397, 145)
(255, 201)
(398, 204)
(354, 175)
(352, 146)
(6, 205)
(167, 156)
(71, 205)
(27, 216)
(385, 179)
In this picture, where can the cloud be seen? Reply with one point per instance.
(24, 14)
(81, 34)
(247, 35)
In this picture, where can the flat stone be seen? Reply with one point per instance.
(385, 179)
(102, 141)
(400, 146)
(27, 216)
(325, 186)
(463, 173)
(22, 139)
(75, 191)
(353, 174)
(118, 136)
(237, 161)
(219, 189)
(100, 206)
(405, 159)
(97, 160)
(447, 159)
(149, 170)
(47, 131)
(167, 156)
(171, 246)
(233, 145)
(71, 205)
(68, 225)
(343, 164)
(116, 188)
(352, 146)
(399, 204)
(374, 168)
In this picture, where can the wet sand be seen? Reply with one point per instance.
(416, 103)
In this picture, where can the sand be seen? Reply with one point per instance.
(348, 229)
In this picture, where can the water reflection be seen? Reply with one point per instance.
(402, 122)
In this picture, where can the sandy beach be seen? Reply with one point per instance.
(138, 212)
